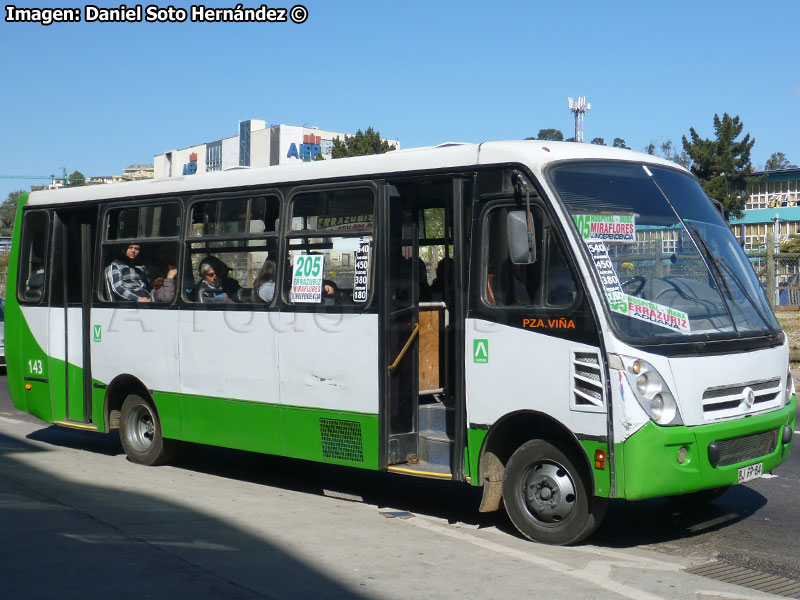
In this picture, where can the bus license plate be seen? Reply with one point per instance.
(750, 473)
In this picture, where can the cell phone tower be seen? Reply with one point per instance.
(579, 107)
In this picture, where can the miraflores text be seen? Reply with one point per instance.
(153, 13)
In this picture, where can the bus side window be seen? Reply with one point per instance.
(32, 257)
(511, 284)
(547, 282)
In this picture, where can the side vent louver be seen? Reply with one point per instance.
(588, 386)
(341, 439)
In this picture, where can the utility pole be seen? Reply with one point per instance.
(579, 107)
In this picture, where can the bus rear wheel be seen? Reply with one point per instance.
(140, 432)
(545, 495)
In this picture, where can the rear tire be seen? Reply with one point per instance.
(545, 495)
(140, 433)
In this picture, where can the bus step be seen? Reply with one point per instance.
(436, 417)
(435, 447)
(423, 469)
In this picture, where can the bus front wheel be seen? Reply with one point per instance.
(545, 495)
(140, 432)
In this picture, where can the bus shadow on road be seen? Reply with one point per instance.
(60, 537)
(627, 524)
(642, 522)
(90, 441)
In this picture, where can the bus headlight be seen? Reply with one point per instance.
(652, 392)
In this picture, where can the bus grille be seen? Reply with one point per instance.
(747, 447)
(341, 439)
(726, 401)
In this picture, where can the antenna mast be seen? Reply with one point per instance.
(579, 107)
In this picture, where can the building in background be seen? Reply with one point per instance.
(135, 173)
(772, 205)
(255, 145)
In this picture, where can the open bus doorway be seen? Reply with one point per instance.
(422, 309)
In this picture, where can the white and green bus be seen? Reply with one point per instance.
(558, 323)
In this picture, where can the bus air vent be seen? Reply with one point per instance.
(587, 382)
(341, 439)
(747, 447)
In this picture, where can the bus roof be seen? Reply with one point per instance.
(534, 153)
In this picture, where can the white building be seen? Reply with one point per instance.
(256, 145)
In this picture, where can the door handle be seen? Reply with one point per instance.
(400, 356)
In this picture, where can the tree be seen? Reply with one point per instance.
(620, 143)
(777, 161)
(8, 212)
(792, 244)
(553, 135)
(76, 178)
(722, 165)
(599, 141)
(650, 148)
(360, 144)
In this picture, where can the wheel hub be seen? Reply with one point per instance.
(549, 492)
(141, 429)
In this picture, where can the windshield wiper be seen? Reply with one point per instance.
(721, 260)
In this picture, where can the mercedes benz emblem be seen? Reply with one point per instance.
(749, 397)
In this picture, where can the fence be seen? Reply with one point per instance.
(778, 272)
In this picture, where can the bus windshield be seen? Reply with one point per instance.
(670, 268)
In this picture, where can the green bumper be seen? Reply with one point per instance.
(647, 465)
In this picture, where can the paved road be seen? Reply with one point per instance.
(77, 518)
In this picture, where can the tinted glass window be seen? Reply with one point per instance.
(33, 255)
(144, 222)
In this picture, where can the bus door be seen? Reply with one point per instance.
(73, 260)
(422, 325)
(400, 327)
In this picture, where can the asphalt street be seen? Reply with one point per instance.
(77, 518)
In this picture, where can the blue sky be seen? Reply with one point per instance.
(96, 97)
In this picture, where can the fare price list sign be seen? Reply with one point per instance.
(361, 272)
(307, 278)
(608, 276)
(634, 307)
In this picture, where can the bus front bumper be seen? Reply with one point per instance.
(648, 462)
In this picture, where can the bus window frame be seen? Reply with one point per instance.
(287, 234)
(540, 308)
(103, 243)
(186, 239)
(46, 259)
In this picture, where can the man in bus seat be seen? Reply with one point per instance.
(215, 286)
(126, 279)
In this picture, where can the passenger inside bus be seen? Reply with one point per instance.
(126, 279)
(215, 286)
(264, 283)
(163, 274)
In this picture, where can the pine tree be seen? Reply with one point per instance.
(722, 165)
(360, 144)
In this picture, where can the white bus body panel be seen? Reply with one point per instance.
(139, 342)
(329, 361)
(526, 371)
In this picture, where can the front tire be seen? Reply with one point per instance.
(140, 433)
(545, 495)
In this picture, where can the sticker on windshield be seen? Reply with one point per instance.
(658, 314)
(606, 228)
(634, 307)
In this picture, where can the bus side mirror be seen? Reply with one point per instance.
(521, 242)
